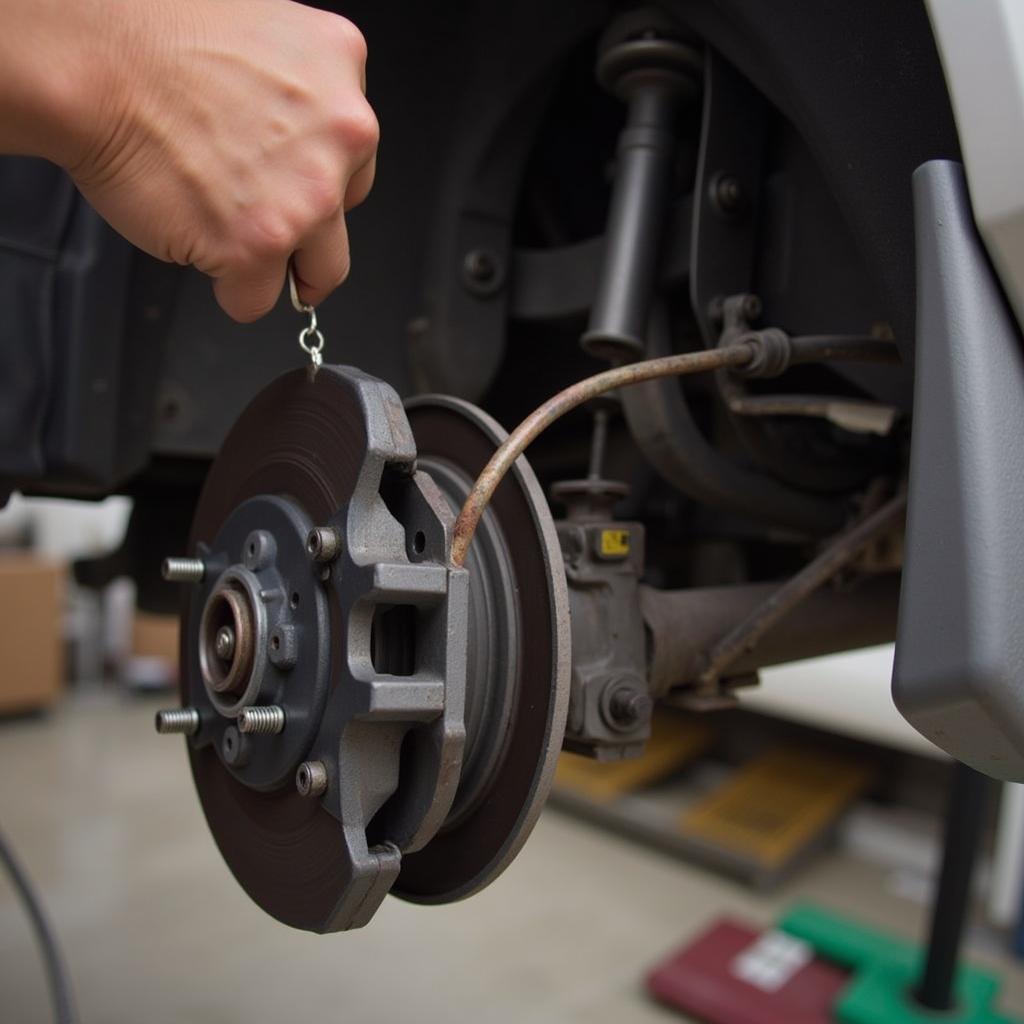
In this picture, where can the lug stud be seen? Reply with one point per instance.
(261, 721)
(183, 570)
(177, 720)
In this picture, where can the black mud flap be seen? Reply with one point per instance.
(959, 673)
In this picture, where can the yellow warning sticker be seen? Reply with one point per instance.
(615, 542)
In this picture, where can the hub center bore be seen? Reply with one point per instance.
(227, 639)
(232, 639)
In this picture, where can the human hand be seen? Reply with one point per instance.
(226, 134)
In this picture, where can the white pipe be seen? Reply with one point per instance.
(1007, 883)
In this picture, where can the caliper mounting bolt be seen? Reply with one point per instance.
(311, 778)
(323, 543)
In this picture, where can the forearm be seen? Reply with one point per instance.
(46, 82)
(227, 134)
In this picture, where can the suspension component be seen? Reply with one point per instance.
(645, 61)
(609, 707)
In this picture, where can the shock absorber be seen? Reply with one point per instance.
(645, 61)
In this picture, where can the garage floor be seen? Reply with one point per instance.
(156, 930)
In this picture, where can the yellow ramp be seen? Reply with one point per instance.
(774, 806)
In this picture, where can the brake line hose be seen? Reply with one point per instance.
(565, 401)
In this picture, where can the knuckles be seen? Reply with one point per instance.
(354, 127)
(322, 192)
(264, 233)
(340, 136)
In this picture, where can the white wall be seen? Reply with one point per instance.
(847, 693)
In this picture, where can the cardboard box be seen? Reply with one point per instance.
(31, 632)
(156, 636)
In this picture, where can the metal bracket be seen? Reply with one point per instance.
(726, 193)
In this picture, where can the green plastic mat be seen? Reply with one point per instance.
(884, 971)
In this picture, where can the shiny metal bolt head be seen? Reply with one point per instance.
(482, 271)
(261, 720)
(323, 543)
(177, 720)
(224, 643)
(183, 570)
(311, 778)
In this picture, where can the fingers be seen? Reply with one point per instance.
(299, 207)
(248, 293)
(321, 262)
(360, 183)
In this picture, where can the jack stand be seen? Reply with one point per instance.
(890, 984)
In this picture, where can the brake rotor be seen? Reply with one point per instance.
(399, 690)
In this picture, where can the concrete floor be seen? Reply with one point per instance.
(156, 930)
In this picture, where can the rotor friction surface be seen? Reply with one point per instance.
(304, 439)
(471, 851)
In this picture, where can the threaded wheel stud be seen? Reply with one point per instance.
(183, 570)
(177, 720)
(261, 721)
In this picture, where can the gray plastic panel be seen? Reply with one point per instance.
(959, 672)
